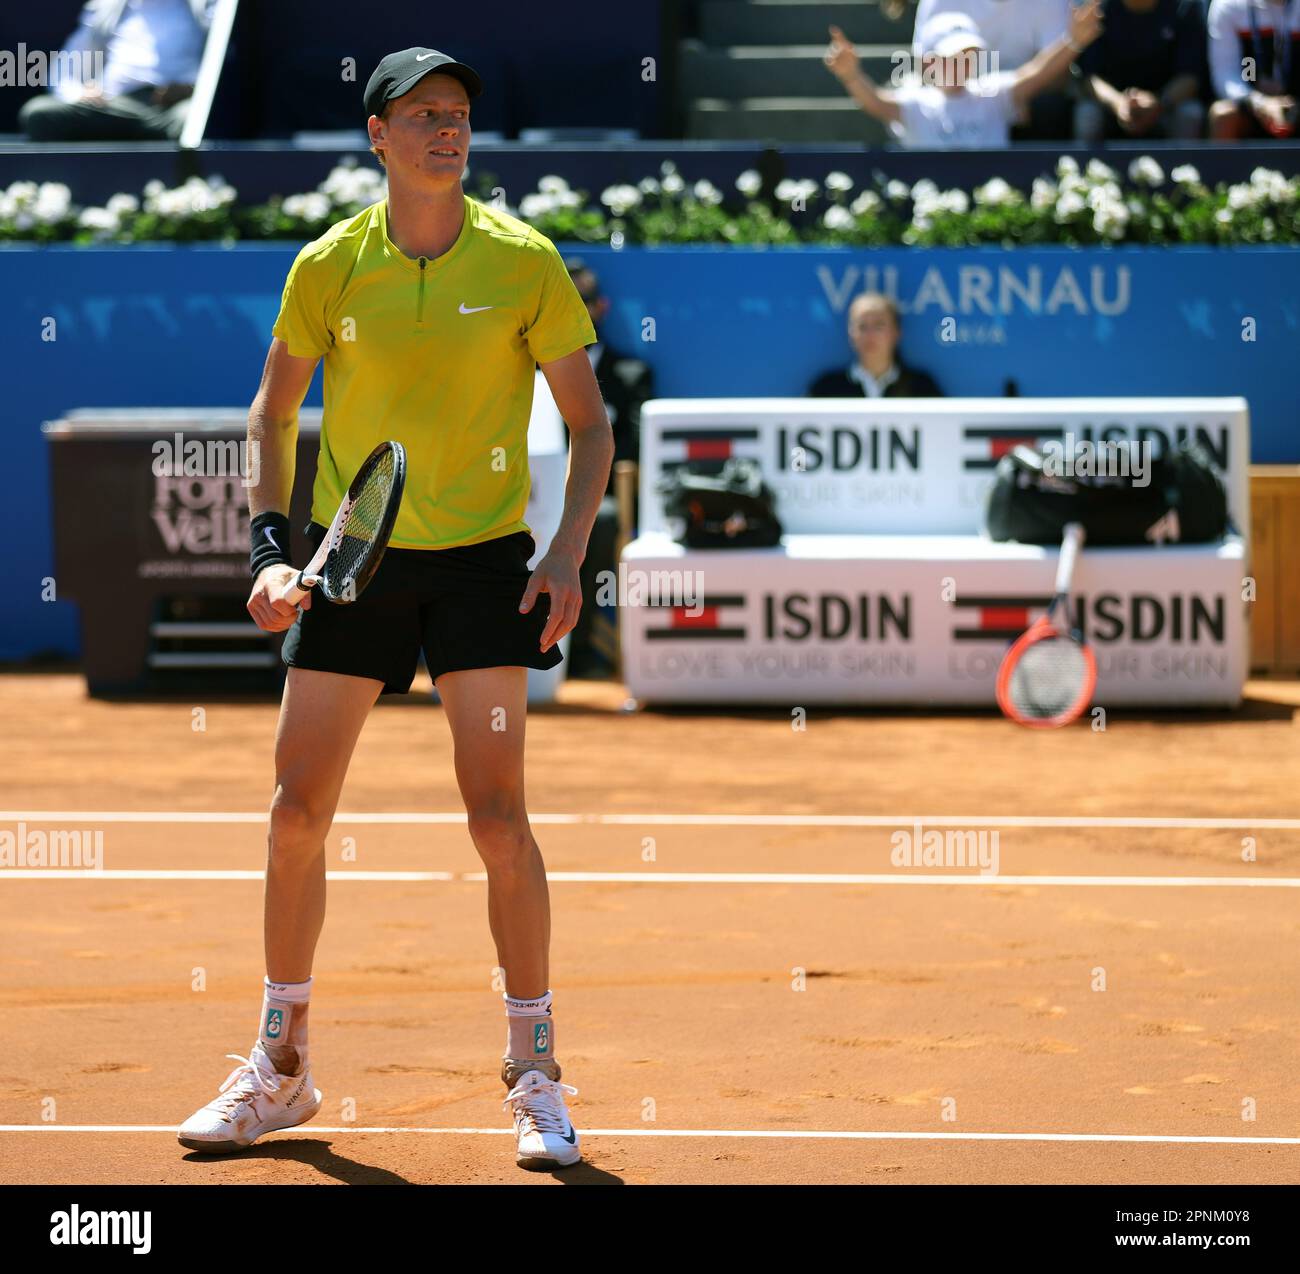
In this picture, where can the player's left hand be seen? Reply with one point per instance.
(1085, 22)
(556, 574)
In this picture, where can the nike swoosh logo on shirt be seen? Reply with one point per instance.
(474, 309)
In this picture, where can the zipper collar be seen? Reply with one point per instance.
(412, 264)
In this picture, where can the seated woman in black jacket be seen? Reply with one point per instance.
(876, 372)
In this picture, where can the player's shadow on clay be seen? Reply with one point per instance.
(316, 1154)
(320, 1155)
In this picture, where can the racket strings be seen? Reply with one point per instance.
(362, 525)
(1049, 677)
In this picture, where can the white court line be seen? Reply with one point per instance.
(675, 820)
(688, 878)
(775, 1134)
(149, 873)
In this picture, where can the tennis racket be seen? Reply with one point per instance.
(355, 542)
(1048, 676)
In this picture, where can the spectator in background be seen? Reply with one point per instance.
(625, 384)
(1142, 78)
(958, 99)
(1015, 30)
(1255, 68)
(877, 371)
(151, 51)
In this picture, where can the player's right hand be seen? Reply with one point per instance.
(267, 604)
(841, 57)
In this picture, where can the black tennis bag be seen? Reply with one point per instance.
(1034, 494)
(731, 507)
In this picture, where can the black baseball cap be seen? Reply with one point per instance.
(399, 73)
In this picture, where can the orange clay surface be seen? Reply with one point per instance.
(935, 1010)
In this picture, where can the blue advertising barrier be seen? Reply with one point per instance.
(188, 326)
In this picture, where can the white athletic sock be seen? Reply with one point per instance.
(283, 1028)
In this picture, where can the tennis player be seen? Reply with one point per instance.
(430, 311)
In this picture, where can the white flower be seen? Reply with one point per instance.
(667, 168)
(1272, 185)
(100, 220)
(995, 193)
(648, 186)
(120, 205)
(1242, 196)
(707, 193)
(838, 217)
(351, 187)
(620, 200)
(791, 191)
(838, 181)
(1099, 171)
(954, 201)
(535, 205)
(1144, 171)
(552, 185)
(924, 189)
(1066, 166)
(310, 207)
(23, 193)
(866, 203)
(749, 183)
(1186, 175)
(53, 203)
(1042, 194)
(672, 184)
(1099, 196)
(1223, 217)
(897, 190)
(1068, 205)
(1110, 218)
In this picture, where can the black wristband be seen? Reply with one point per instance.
(269, 536)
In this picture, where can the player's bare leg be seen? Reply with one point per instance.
(487, 708)
(321, 716)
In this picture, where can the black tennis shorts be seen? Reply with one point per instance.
(460, 606)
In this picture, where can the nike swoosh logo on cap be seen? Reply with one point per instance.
(474, 309)
(424, 57)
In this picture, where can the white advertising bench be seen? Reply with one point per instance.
(884, 589)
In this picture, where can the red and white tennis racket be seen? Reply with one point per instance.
(1048, 676)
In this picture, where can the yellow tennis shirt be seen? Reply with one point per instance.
(438, 354)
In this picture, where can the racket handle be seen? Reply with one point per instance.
(299, 589)
(1071, 542)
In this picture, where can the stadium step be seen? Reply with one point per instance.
(786, 119)
(758, 71)
(730, 22)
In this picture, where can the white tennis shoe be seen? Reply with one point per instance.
(253, 1100)
(546, 1136)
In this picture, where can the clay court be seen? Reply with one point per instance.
(950, 1027)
